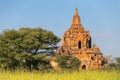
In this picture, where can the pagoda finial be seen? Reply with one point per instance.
(76, 18)
(76, 10)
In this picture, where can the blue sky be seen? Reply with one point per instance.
(100, 17)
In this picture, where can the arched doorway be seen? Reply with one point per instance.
(83, 67)
(90, 43)
(87, 44)
(79, 45)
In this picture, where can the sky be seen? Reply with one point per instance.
(100, 17)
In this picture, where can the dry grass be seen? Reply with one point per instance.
(76, 75)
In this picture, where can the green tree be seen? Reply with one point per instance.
(41, 62)
(18, 47)
(68, 62)
(8, 62)
(27, 40)
(118, 60)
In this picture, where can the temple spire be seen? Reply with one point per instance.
(76, 11)
(76, 18)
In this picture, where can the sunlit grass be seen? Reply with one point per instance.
(65, 75)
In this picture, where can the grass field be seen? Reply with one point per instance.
(75, 75)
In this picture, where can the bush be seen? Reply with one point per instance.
(41, 62)
(118, 60)
(68, 62)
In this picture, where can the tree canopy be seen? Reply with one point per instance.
(26, 40)
(24, 44)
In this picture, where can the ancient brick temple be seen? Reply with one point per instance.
(76, 41)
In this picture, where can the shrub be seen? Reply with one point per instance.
(118, 60)
(68, 62)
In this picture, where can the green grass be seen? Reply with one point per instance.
(65, 75)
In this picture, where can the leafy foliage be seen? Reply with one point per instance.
(68, 62)
(118, 60)
(21, 48)
(114, 65)
(27, 40)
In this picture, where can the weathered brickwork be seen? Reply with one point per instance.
(76, 41)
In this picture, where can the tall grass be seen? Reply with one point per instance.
(65, 75)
